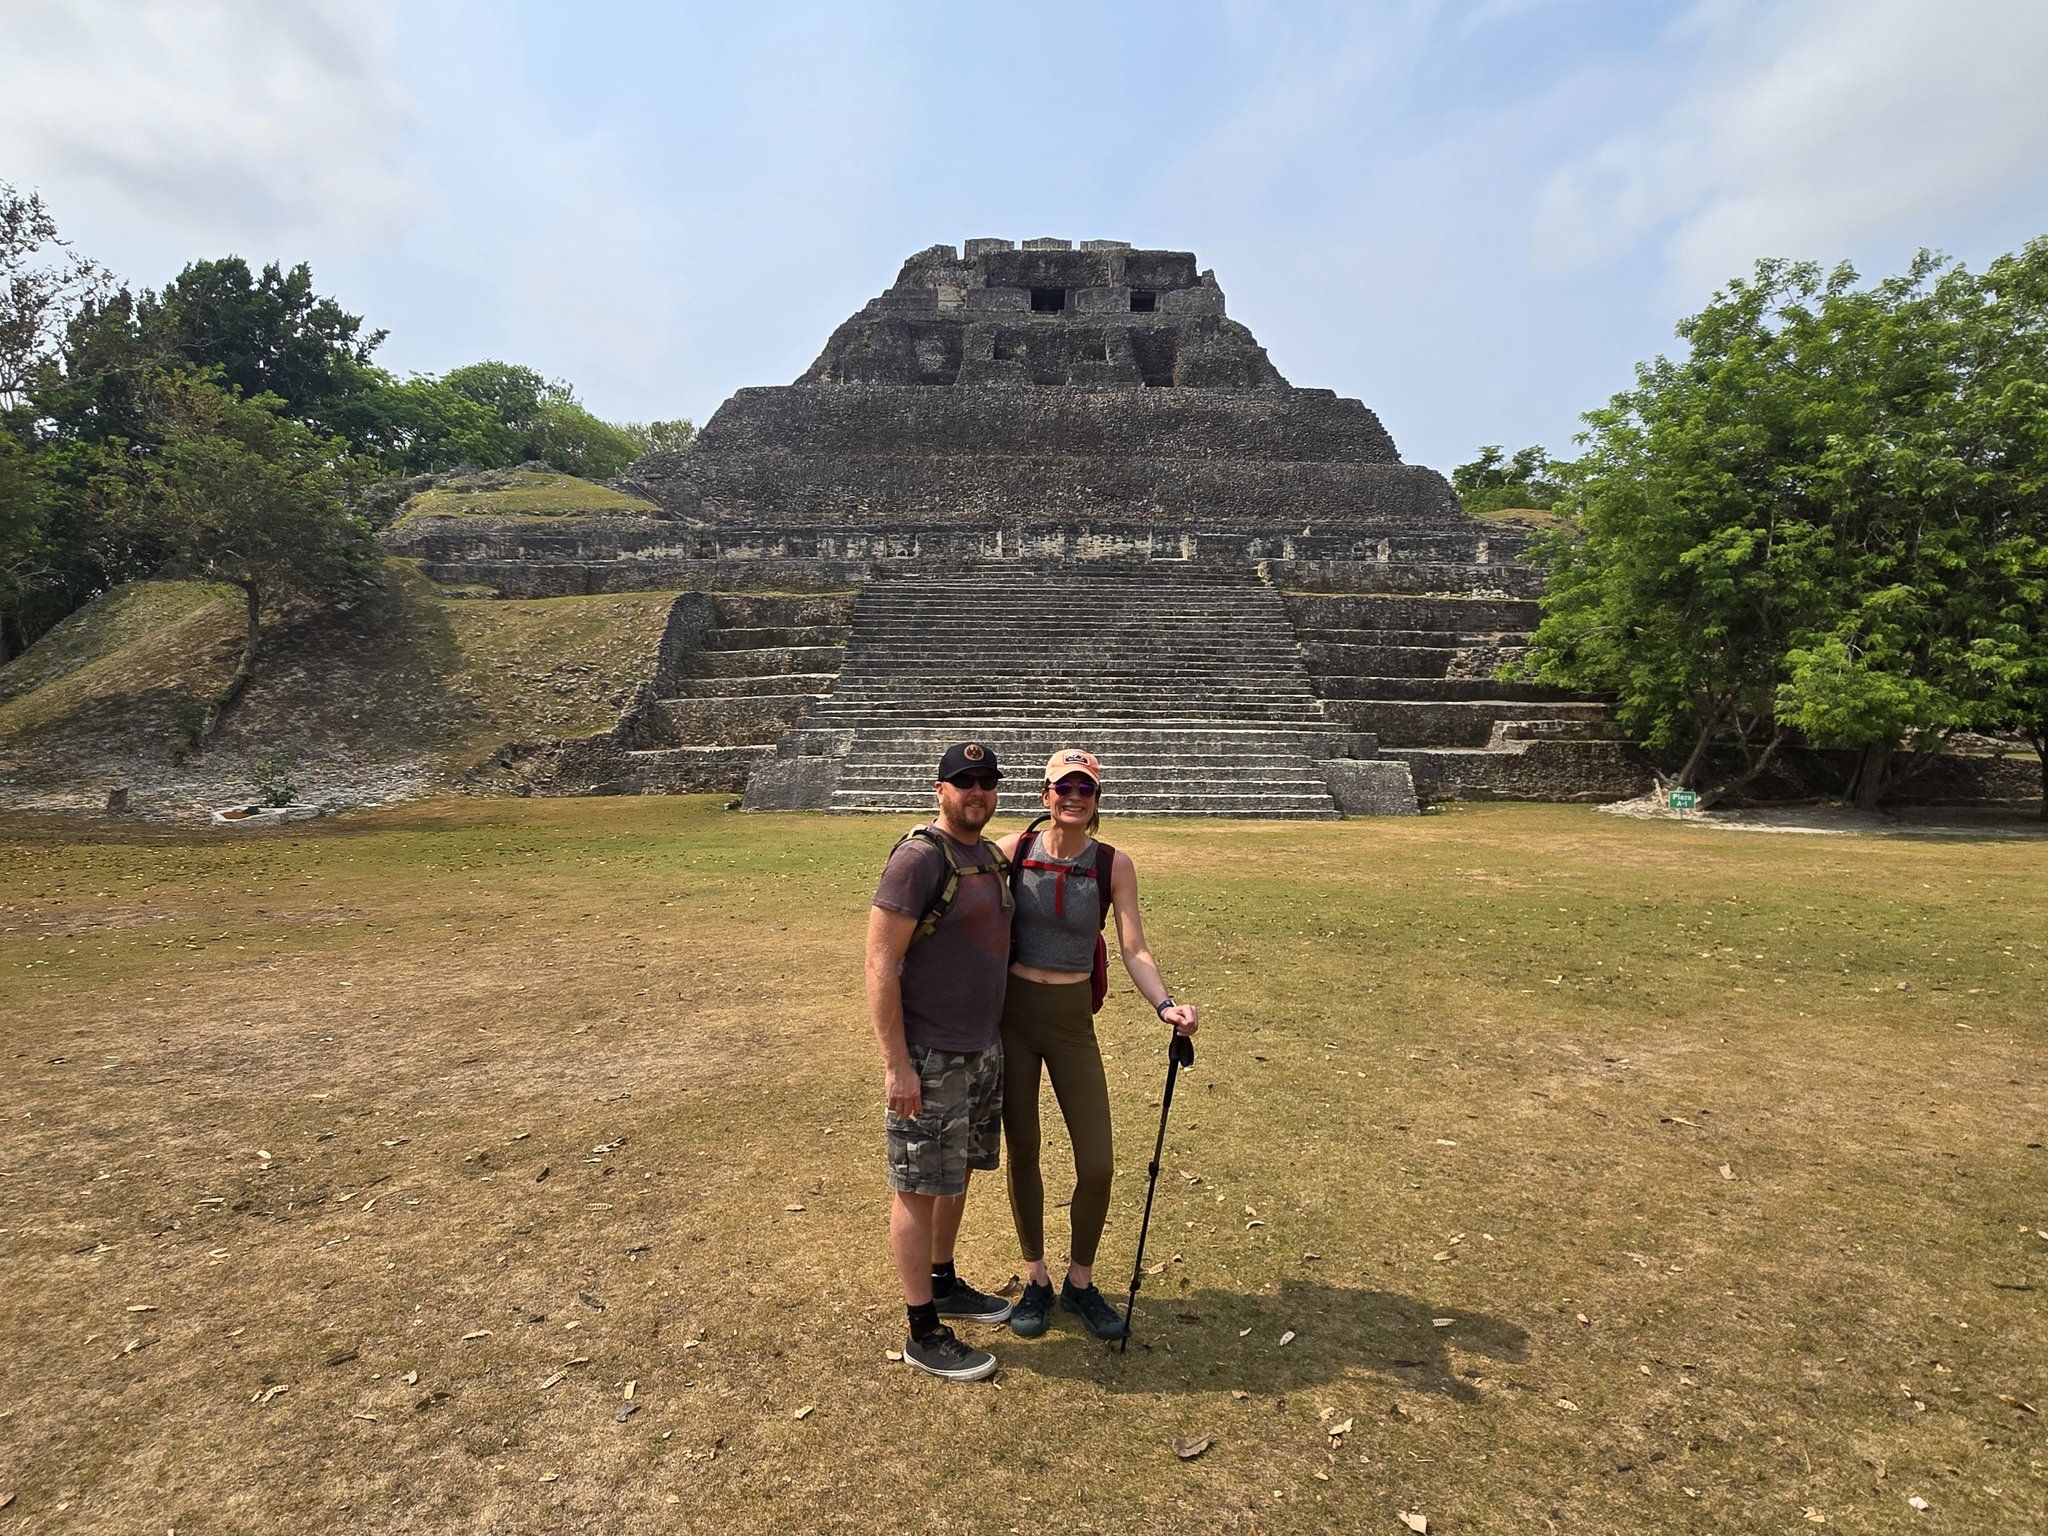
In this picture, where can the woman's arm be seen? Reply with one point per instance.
(1130, 941)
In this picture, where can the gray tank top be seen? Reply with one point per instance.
(1059, 910)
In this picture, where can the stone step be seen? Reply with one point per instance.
(1465, 615)
(898, 716)
(1326, 660)
(775, 637)
(1292, 806)
(703, 722)
(1460, 723)
(1416, 639)
(1444, 688)
(768, 662)
(741, 609)
(763, 685)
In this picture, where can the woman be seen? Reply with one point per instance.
(1049, 1024)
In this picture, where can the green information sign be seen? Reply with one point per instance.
(1684, 799)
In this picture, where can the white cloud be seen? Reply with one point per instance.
(210, 122)
(1809, 130)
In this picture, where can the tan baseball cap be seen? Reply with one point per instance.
(1072, 760)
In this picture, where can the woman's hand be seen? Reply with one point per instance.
(1184, 1017)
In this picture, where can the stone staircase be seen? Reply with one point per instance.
(1185, 679)
(1418, 669)
(735, 671)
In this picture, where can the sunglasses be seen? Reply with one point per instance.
(973, 781)
(1084, 789)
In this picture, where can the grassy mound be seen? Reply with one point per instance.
(410, 681)
(521, 493)
(1541, 1169)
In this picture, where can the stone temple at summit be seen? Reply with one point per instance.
(1050, 495)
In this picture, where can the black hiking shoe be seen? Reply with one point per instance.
(971, 1306)
(943, 1354)
(1032, 1312)
(1099, 1316)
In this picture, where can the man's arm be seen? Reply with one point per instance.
(888, 940)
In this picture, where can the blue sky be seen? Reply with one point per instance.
(1475, 215)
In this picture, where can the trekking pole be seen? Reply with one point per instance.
(1181, 1053)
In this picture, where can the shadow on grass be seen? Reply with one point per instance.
(1188, 1341)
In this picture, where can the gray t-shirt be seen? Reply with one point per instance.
(953, 978)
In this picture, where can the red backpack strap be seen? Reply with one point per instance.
(1024, 841)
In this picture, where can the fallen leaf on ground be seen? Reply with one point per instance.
(1727, 1172)
(805, 1412)
(340, 1357)
(551, 1477)
(1567, 1405)
(1441, 1322)
(1188, 1448)
(1419, 1524)
(892, 1354)
(2011, 1401)
(1287, 1338)
(1916, 1502)
(1337, 1430)
(1242, 1332)
(411, 1378)
(480, 1333)
(553, 1380)
(792, 1207)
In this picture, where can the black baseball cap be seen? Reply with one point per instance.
(969, 757)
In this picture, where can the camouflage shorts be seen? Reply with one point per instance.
(958, 1127)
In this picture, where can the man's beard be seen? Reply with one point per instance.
(970, 815)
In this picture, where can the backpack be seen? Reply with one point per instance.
(948, 889)
(1105, 862)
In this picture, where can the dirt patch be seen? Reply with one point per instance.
(1839, 820)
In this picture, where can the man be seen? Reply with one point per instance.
(935, 989)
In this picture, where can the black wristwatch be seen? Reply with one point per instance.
(1163, 1004)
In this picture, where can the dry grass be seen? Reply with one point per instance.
(538, 1099)
(409, 682)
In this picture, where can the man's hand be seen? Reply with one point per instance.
(906, 1092)
(1184, 1017)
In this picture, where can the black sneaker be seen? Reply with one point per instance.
(971, 1306)
(943, 1354)
(1099, 1316)
(1032, 1312)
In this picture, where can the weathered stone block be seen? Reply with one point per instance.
(1370, 787)
(792, 784)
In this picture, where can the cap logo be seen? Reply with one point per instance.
(1074, 757)
(972, 752)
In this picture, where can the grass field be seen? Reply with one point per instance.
(1610, 1176)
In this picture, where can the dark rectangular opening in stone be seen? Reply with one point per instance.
(1143, 301)
(1048, 301)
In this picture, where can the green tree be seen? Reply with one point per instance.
(264, 333)
(239, 493)
(546, 421)
(661, 436)
(1494, 482)
(1792, 528)
(420, 425)
(42, 283)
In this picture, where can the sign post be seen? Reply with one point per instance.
(1683, 800)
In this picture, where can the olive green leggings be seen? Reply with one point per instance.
(1051, 1025)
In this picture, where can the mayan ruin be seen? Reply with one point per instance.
(1044, 449)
